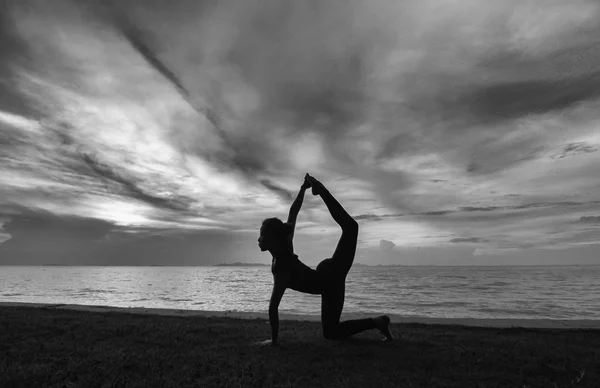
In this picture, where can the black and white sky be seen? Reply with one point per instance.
(164, 132)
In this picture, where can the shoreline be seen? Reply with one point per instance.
(397, 319)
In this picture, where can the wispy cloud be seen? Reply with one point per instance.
(467, 240)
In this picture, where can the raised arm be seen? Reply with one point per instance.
(297, 204)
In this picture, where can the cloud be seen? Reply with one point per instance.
(479, 209)
(467, 240)
(517, 99)
(298, 91)
(40, 237)
(132, 188)
(573, 149)
(45, 222)
(386, 245)
(590, 219)
(367, 217)
(437, 213)
(13, 51)
(285, 194)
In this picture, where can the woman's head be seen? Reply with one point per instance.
(273, 233)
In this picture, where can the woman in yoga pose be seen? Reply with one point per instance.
(328, 280)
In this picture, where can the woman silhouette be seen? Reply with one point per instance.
(328, 280)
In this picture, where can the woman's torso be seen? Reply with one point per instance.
(302, 277)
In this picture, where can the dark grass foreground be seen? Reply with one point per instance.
(60, 348)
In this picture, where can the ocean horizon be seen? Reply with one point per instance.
(268, 265)
(481, 292)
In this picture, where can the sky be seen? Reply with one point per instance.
(457, 132)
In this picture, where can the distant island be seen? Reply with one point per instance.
(239, 264)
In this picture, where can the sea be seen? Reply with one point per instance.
(516, 292)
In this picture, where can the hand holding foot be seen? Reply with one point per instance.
(382, 323)
(306, 183)
(317, 187)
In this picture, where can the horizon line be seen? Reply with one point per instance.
(260, 264)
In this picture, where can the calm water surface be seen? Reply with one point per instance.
(569, 292)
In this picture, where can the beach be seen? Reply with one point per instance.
(100, 346)
(498, 323)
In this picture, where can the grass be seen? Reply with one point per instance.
(60, 348)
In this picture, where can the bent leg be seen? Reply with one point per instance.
(332, 303)
(354, 326)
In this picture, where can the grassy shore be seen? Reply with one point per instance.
(42, 347)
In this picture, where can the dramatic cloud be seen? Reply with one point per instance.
(433, 121)
(44, 238)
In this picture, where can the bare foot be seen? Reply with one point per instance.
(382, 323)
(317, 187)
